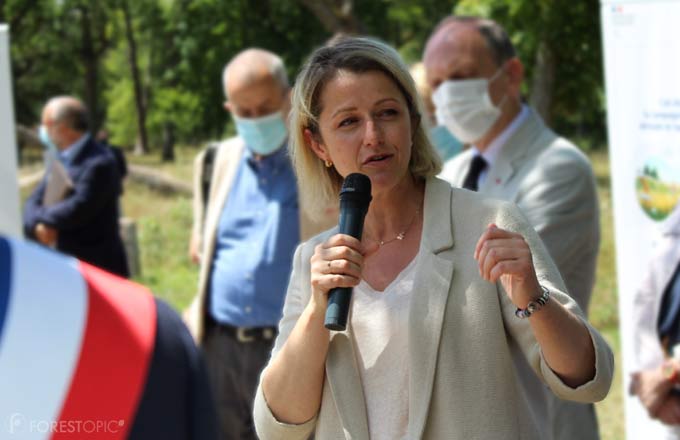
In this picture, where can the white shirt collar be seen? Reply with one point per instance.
(496, 145)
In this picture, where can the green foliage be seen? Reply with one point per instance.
(183, 46)
(207, 33)
(35, 48)
(178, 106)
(121, 123)
(405, 24)
(571, 31)
(119, 95)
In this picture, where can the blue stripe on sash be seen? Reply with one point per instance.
(5, 280)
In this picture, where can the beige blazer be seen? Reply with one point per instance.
(552, 182)
(462, 334)
(226, 163)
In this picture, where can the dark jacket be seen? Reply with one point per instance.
(87, 218)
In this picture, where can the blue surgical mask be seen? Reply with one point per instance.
(446, 144)
(262, 135)
(50, 146)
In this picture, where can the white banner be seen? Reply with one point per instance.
(642, 73)
(10, 219)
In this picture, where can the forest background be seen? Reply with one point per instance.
(149, 70)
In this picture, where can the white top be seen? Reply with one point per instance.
(494, 148)
(380, 327)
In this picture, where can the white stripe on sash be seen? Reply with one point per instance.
(41, 340)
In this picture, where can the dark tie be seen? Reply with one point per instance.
(476, 167)
(669, 313)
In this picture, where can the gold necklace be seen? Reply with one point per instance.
(402, 234)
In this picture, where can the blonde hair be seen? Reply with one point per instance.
(318, 185)
(420, 78)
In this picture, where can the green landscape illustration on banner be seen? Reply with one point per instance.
(658, 188)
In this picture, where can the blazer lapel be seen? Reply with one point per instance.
(218, 195)
(434, 272)
(346, 388)
(512, 155)
(228, 158)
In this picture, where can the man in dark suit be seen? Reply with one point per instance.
(84, 223)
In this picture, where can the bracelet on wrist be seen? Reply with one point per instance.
(534, 306)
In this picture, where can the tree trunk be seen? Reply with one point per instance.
(91, 61)
(543, 82)
(336, 16)
(141, 147)
(168, 154)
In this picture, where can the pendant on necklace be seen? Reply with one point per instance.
(400, 236)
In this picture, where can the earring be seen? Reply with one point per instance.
(328, 163)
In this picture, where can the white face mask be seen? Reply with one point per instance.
(465, 107)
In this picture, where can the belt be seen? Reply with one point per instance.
(248, 334)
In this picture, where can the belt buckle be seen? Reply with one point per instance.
(268, 334)
(242, 336)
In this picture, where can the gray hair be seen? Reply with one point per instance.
(318, 184)
(496, 39)
(254, 56)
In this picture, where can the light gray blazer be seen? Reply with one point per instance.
(225, 165)
(552, 182)
(462, 331)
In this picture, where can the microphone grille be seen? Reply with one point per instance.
(356, 183)
(356, 187)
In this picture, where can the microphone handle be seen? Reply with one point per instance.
(337, 311)
(339, 298)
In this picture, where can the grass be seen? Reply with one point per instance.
(163, 229)
(604, 303)
(164, 226)
(181, 168)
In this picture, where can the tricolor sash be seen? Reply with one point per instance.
(75, 346)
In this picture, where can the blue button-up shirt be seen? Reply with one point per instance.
(257, 234)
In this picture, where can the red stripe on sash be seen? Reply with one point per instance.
(114, 359)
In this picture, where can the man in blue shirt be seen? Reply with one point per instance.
(245, 235)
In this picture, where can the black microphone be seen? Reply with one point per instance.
(355, 196)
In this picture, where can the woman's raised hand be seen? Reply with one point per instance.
(506, 256)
